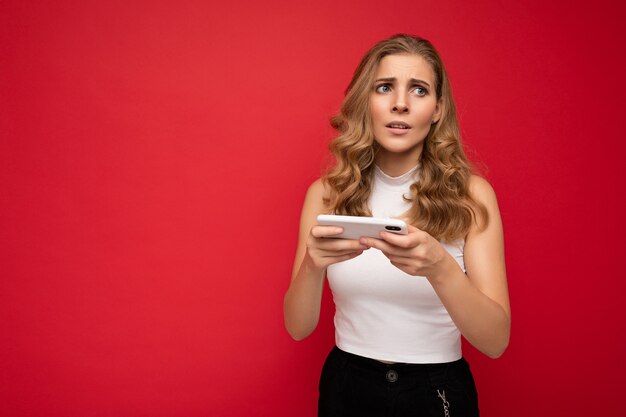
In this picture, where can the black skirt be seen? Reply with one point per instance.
(352, 385)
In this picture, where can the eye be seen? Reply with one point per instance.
(383, 88)
(420, 91)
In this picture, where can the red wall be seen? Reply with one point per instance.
(153, 161)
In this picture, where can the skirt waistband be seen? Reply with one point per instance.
(436, 373)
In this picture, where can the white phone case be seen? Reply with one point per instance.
(356, 226)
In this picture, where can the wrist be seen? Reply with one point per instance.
(443, 270)
(310, 269)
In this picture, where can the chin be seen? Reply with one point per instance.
(399, 148)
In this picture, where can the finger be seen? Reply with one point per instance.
(385, 247)
(321, 231)
(347, 257)
(339, 244)
(402, 260)
(332, 254)
(402, 267)
(398, 265)
(410, 240)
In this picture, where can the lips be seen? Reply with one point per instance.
(397, 125)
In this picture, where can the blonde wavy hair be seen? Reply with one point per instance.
(441, 202)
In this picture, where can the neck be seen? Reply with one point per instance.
(396, 164)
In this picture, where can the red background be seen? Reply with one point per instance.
(153, 161)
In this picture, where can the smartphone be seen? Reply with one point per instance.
(356, 226)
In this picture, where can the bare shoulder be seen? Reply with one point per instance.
(316, 194)
(317, 188)
(314, 204)
(482, 191)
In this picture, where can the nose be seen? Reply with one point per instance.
(400, 105)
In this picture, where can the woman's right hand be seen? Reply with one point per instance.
(322, 251)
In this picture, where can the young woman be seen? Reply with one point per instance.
(402, 301)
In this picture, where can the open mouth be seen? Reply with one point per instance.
(398, 125)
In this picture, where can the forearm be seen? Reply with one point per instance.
(481, 320)
(303, 300)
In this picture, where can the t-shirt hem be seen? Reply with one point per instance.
(402, 358)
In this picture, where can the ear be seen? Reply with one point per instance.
(438, 111)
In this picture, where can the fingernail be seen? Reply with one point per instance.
(363, 241)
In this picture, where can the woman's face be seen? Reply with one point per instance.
(403, 105)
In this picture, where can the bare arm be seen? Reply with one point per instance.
(479, 305)
(313, 255)
(478, 300)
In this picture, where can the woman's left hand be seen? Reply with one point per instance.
(416, 253)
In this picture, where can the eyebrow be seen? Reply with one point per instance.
(393, 79)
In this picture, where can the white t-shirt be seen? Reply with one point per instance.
(382, 312)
